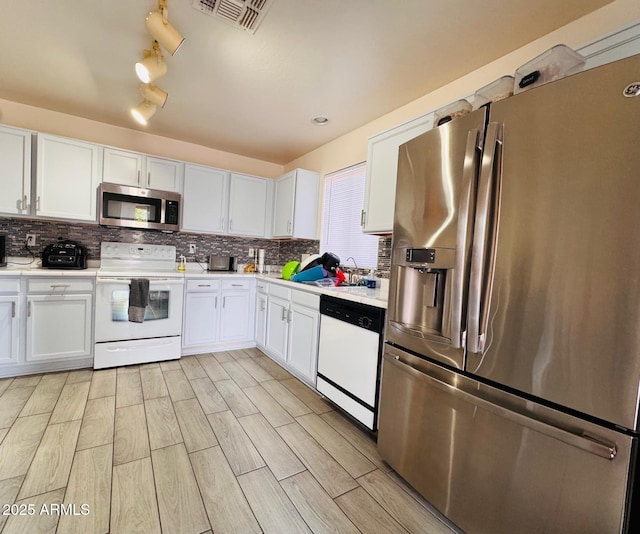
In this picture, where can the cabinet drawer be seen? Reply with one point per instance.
(9, 286)
(60, 285)
(262, 286)
(236, 284)
(203, 284)
(280, 291)
(304, 298)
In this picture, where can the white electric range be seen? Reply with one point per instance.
(120, 342)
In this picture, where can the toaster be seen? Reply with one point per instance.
(221, 263)
(64, 255)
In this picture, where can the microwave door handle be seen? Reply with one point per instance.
(469, 172)
(484, 240)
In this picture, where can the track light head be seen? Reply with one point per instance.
(159, 27)
(143, 112)
(153, 94)
(152, 66)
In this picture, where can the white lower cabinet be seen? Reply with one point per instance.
(291, 324)
(235, 319)
(261, 320)
(201, 310)
(302, 354)
(277, 327)
(218, 314)
(46, 324)
(59, 326)
(9, 321)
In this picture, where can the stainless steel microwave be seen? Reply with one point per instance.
(135, 207)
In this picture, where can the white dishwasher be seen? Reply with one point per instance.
(349, 357)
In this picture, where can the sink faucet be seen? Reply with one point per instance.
(352, 279)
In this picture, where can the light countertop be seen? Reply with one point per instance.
(373, 297)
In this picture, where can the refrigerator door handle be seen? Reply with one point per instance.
(469, 171)
(482, 250)
(580, 440)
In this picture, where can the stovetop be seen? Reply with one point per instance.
(129, 260)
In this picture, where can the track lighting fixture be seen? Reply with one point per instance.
(143, 112)
(153, 94)
(152, 66)
(159, 27)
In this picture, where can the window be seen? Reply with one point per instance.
(341, 210)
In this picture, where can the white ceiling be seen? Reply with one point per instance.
(351, 60)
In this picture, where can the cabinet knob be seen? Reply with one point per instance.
(138, 176)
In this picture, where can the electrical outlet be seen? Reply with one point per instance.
(192, 248)
(31, 240)
(251, 252)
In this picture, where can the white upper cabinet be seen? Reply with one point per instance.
(204, 201)
(382, 168)
(285, 190)
(164, 174)
(248, 205)
(68, 174)
(123, 167)
(139, 170)
(295, 207)
(15, 170)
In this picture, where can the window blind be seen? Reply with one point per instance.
(342, 207)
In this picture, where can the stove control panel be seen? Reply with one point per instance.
(137, 251)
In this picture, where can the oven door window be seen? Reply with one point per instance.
(158, 307)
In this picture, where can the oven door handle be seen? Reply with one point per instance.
(151, 280)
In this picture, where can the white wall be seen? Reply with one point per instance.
(54, 122)
(352, 147)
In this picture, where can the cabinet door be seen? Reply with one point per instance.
(261, 319)
(204, 202)
(382, 169)
(283, 205)
(68, 177)
(277, 327)
(247, 205)
(59, 327)
(164, 174)
(200, 319)
(302, 355)
(123, 167)
(15, 170)
(235, 316)
(9, 329)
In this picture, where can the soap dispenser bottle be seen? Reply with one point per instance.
(182, 266)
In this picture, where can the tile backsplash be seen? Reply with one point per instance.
(91, 235)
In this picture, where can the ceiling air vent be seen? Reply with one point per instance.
(244, 14)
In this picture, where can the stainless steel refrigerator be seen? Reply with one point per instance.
(511, 372)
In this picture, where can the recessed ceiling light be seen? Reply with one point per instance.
(320, 120)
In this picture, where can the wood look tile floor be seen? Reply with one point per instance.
(224, 443)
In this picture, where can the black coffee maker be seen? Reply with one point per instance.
(3, 250)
